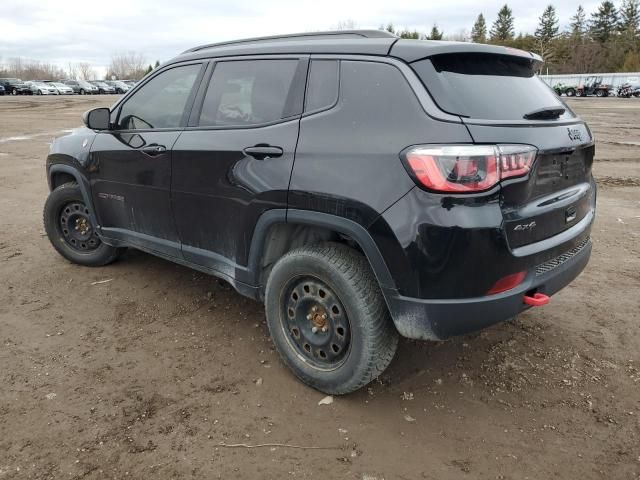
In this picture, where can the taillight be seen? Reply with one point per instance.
(467, 168)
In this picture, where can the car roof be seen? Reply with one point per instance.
(349, 42)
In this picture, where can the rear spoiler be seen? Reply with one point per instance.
(414, 50)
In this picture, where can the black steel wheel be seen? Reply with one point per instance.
(75, 226)
(328, 319)
(67, 221)
(316, 322)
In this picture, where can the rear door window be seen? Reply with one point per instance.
(486, 86)
(251, 92)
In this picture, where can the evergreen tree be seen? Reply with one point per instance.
(409, 34)
(604, 23)
(579, 23)
(548, 27)
(157, 64)
(629, 17)
(479, 30)
(502, 28)
(435, 33)
(149, 69)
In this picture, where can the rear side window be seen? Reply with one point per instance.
(322, 87)
(160, 103)
(250, 92)
(486, 86)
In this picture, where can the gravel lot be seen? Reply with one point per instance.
(149, 374)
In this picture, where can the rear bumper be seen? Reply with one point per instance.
(439, 319)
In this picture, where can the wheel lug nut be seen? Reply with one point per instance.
(314, 329)
(314, 309)
(324, 316)
(324, 329)
(309, 317)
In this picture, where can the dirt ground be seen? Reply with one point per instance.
(149, 374)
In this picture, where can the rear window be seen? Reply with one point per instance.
(486, 86)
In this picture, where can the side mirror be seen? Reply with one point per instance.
(97, 119)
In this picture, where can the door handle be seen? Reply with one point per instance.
(154, 149)
(260, 152)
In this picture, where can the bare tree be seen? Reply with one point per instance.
(30, 70)
(72, 71)
(85, 71)
(348, 24)
(463, 35)
(130, 65)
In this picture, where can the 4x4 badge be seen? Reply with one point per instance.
(525, 226)
(574, 134)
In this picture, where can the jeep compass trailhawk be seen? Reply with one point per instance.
(362, 186)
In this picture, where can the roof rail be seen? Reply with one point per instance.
(301, 36)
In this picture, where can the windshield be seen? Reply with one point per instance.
(487, 86)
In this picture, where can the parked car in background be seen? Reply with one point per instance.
(103, 87)
(81, 87)
(15, 86)
(119, 85)
(2, 91)
(130, 83)
(41, 88)
(62, 88)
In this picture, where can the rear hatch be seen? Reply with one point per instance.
(502, 101)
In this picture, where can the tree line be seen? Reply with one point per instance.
(123, 66)
(605, 40)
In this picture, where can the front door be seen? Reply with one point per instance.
(130, 165)
(234, 163)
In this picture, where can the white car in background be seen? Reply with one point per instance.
(41, 88)
(62, 88)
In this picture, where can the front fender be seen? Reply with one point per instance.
(70, 156)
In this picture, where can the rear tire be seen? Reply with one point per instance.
(329, 288)
(68, 226)
(570, 92)
(600, 93)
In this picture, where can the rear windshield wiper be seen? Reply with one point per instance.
(545, 113)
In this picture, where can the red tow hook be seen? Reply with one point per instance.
(537, 300)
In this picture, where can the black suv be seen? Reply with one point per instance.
(15, 86)
(361, 185)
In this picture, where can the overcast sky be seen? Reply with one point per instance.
(63, 31)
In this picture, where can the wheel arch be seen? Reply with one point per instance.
(323, 226)
(60, 174)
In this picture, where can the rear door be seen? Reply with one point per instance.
(234, 161)
(502, 101)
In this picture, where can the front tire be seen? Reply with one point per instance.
(68, 225)
(328, 319)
